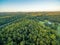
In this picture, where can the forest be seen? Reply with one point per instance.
(29, 28)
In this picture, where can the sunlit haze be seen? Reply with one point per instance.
(29, 5)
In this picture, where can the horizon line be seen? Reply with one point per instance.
(29, 11)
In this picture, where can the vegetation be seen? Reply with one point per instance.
(28, 29)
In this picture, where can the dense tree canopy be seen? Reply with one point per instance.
(29, 30)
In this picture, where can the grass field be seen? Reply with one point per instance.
(30, 28)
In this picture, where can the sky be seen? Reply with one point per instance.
(29, 5)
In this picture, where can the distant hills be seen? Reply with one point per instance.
(33, 13)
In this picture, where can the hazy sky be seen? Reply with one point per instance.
(29, 5)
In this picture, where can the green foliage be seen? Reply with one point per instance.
(28, 30)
